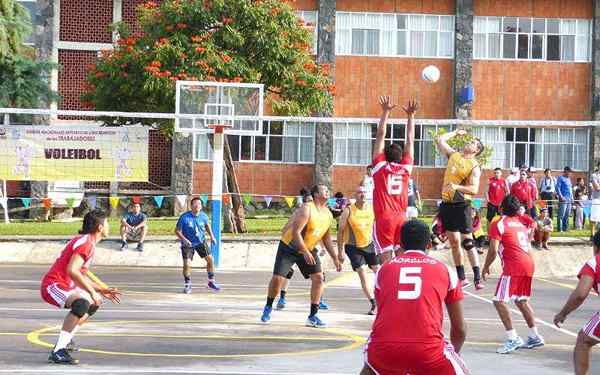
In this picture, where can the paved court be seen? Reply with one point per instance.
(157, 329)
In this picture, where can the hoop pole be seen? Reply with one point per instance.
(217, 192)
(4, 198)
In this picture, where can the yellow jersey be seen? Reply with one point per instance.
(318, 224)
(360, 226)
(458, 171)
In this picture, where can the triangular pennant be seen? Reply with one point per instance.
(114, 202)
(204, 199)
(158, 199)
(331, 202)
(70, 202)
(226, 199)
(268, 200)
(47, 202)
(4, 202)
(247, 199)
(136, 199)
(92, 201)
(182, 199)
(299, 200)
(289, 201)
(541, 204)
(26, 202)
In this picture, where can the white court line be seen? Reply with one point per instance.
(538, 320)
(159, 371)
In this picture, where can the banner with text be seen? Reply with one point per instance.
(73, 153)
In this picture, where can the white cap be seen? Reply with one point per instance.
(514, 170)
(532, 169)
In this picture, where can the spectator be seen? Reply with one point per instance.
(478, 234)
(543, 230)
(548, 190)
(497, 190)
(368, 183)
(414, 200)
(564, 192)
(523, 191)
(535, 193)
(595, 195)
(439, 239)
(340, 204)
(579, 197)
(134, 227)
(512, 177)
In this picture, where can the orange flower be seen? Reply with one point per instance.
(301, 82)
(169, 28)
(155, 63)
(237, 79)
(197, 39)
(100, 74)
(151, 5)
(200, 49)
(226, 58)
(227, 21)
(181, 26)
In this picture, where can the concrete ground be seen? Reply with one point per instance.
(157, 329)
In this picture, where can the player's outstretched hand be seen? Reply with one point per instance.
(559, 319)
(310, 260)
(386, 103)
(411, 108)
(112, 294)
(485, 273)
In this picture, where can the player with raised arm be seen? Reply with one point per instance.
(311, 225)
(510, 237)
(461, 182)
(411, 289)
(392, 167)
(67, 286)
(589, 335)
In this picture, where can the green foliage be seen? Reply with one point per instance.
(458, 143)
(220, 40)
(15, 26)
(24, 83)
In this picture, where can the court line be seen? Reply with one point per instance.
(538, 320)
(220, 337)
(159, 371)
(567, 286)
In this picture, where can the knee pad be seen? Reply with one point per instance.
(468, 244)
(290, 274)
(92, 310)
(80, 307)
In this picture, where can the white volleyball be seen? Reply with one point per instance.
(431, 74)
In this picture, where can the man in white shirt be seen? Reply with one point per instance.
(368, 183)
(595, 195)
(512, 177)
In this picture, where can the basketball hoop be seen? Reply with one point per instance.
(218, 128)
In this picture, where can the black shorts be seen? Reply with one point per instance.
(187, 252)
(287, 257)
(456, 217)
(359, 256)
(492, 211)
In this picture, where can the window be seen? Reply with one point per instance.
(281, 141)
(310, 19)
(31, 6)
(387, 34)
(527, 38)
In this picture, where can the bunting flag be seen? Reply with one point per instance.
(299, 200)
(136, 199)
(26, 202)
(47, 202)
(92, 201)
(289, 201)
(114, 202)
(158, 199)
(331, 202)
(477, 203)
(182, 199)
(204, 199)
(226, 199)
(247, 199)
(4, 202)
(268, 200)
(70, 202)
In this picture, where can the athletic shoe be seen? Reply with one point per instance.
(465, 283)
(62, 357)
(545, 246)
(140, 247)
(315, 322)
(266, 316)
(124, 245)
(213, 286)
(281, 303)
(511, 345)
(323, 305)
(534, 342)
(479, 285)
(187, 288)
(372, 310)
(72, 347)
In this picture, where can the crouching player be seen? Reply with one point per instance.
(410, 291)
(67, 286)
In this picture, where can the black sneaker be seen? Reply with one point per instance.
(62, 357)
(72, 347)
(123, 245)
(140, 247)
(372, 311)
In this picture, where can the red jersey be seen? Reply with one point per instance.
(411, 291)
(523, 191)
(592, 269)
(514, 245)
(496, 191)
(82, 245)
(390, 194)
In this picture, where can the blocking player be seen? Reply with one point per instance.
(67, 286)
(510, 238)
(461, 182)
(355, 237)
(589, 335)
(392, 167)
(191, 229)
(310, 225)
(411, 290)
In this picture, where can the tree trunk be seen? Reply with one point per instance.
(234, 188)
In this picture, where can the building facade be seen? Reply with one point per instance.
(523, 60)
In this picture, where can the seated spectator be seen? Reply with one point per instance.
(134, 227)
(439, 239)
(340, 204)
(478, 233)
(543, 230)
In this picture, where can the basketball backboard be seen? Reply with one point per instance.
(198, 105)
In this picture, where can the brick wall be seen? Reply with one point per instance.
(129, 14)
(86, 21)
(305, 4)
(71, 76)
(535, 8)
(398, 6)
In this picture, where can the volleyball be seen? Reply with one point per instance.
(431, 74)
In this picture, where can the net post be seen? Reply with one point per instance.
(217, 191)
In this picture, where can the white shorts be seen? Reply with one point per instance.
(412, 213)
(57, 294)
(595, 211)
(592, 328)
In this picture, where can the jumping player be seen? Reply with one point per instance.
(67, 286)
(407, 335)
(510, 237)
(589, 336)
(461, 182)
(391, 171)
(310, 225)
(355, 237)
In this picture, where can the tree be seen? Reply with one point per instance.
(258, 41)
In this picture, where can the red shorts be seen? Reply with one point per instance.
(592, 328)
(414, 359)
(513, 288)
(57, 293)
(386, 232)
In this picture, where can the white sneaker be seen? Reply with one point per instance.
(511, 345)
